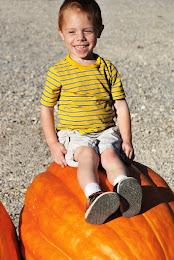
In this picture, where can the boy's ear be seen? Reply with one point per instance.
(100, 30)
(61, 34)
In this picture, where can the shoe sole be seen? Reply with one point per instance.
(102, 207)
(131, 191)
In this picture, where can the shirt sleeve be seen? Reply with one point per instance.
(117, 90)
(51, 90)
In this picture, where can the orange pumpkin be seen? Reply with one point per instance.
(9, 247)
(53, 227)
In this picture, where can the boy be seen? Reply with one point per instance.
(86, 87)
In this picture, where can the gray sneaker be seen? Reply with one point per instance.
(100, 206)
(131, 196)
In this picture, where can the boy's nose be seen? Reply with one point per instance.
(80, 36)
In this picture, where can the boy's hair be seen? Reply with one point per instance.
(88, 6)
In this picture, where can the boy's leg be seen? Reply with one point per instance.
(88, 161)
(127, 187)
(100, 205)
(113, 165)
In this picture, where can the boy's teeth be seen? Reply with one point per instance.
(80, 47)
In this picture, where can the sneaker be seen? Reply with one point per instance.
(100, 206)
(131, 196)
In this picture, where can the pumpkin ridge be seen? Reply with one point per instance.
(92, 242)
(170, 208)
(133, 252)
(156, 235)
(74, 252)
(58, 248)
(70, 192)
(109, 225)
(67, 184)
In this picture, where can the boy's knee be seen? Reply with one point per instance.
(86, 153)
(108, 157)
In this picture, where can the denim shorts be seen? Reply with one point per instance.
(109, 138)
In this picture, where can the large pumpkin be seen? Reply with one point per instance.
(9, 247)
(53, 227)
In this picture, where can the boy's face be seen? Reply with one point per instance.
(79, 34)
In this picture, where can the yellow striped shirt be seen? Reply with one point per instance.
(84, 94)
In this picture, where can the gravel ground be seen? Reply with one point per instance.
(138, 38)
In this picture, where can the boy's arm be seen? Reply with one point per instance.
(57, 149)
(124, 124)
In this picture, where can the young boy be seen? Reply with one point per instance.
(88, 91)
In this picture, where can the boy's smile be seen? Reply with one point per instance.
(80, 36)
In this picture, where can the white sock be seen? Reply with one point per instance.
(92, 188)
(119, 178)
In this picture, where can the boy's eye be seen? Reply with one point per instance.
(88, 31)
(71, 31)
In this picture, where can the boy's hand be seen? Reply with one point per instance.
(128, 149)
(58, 152)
